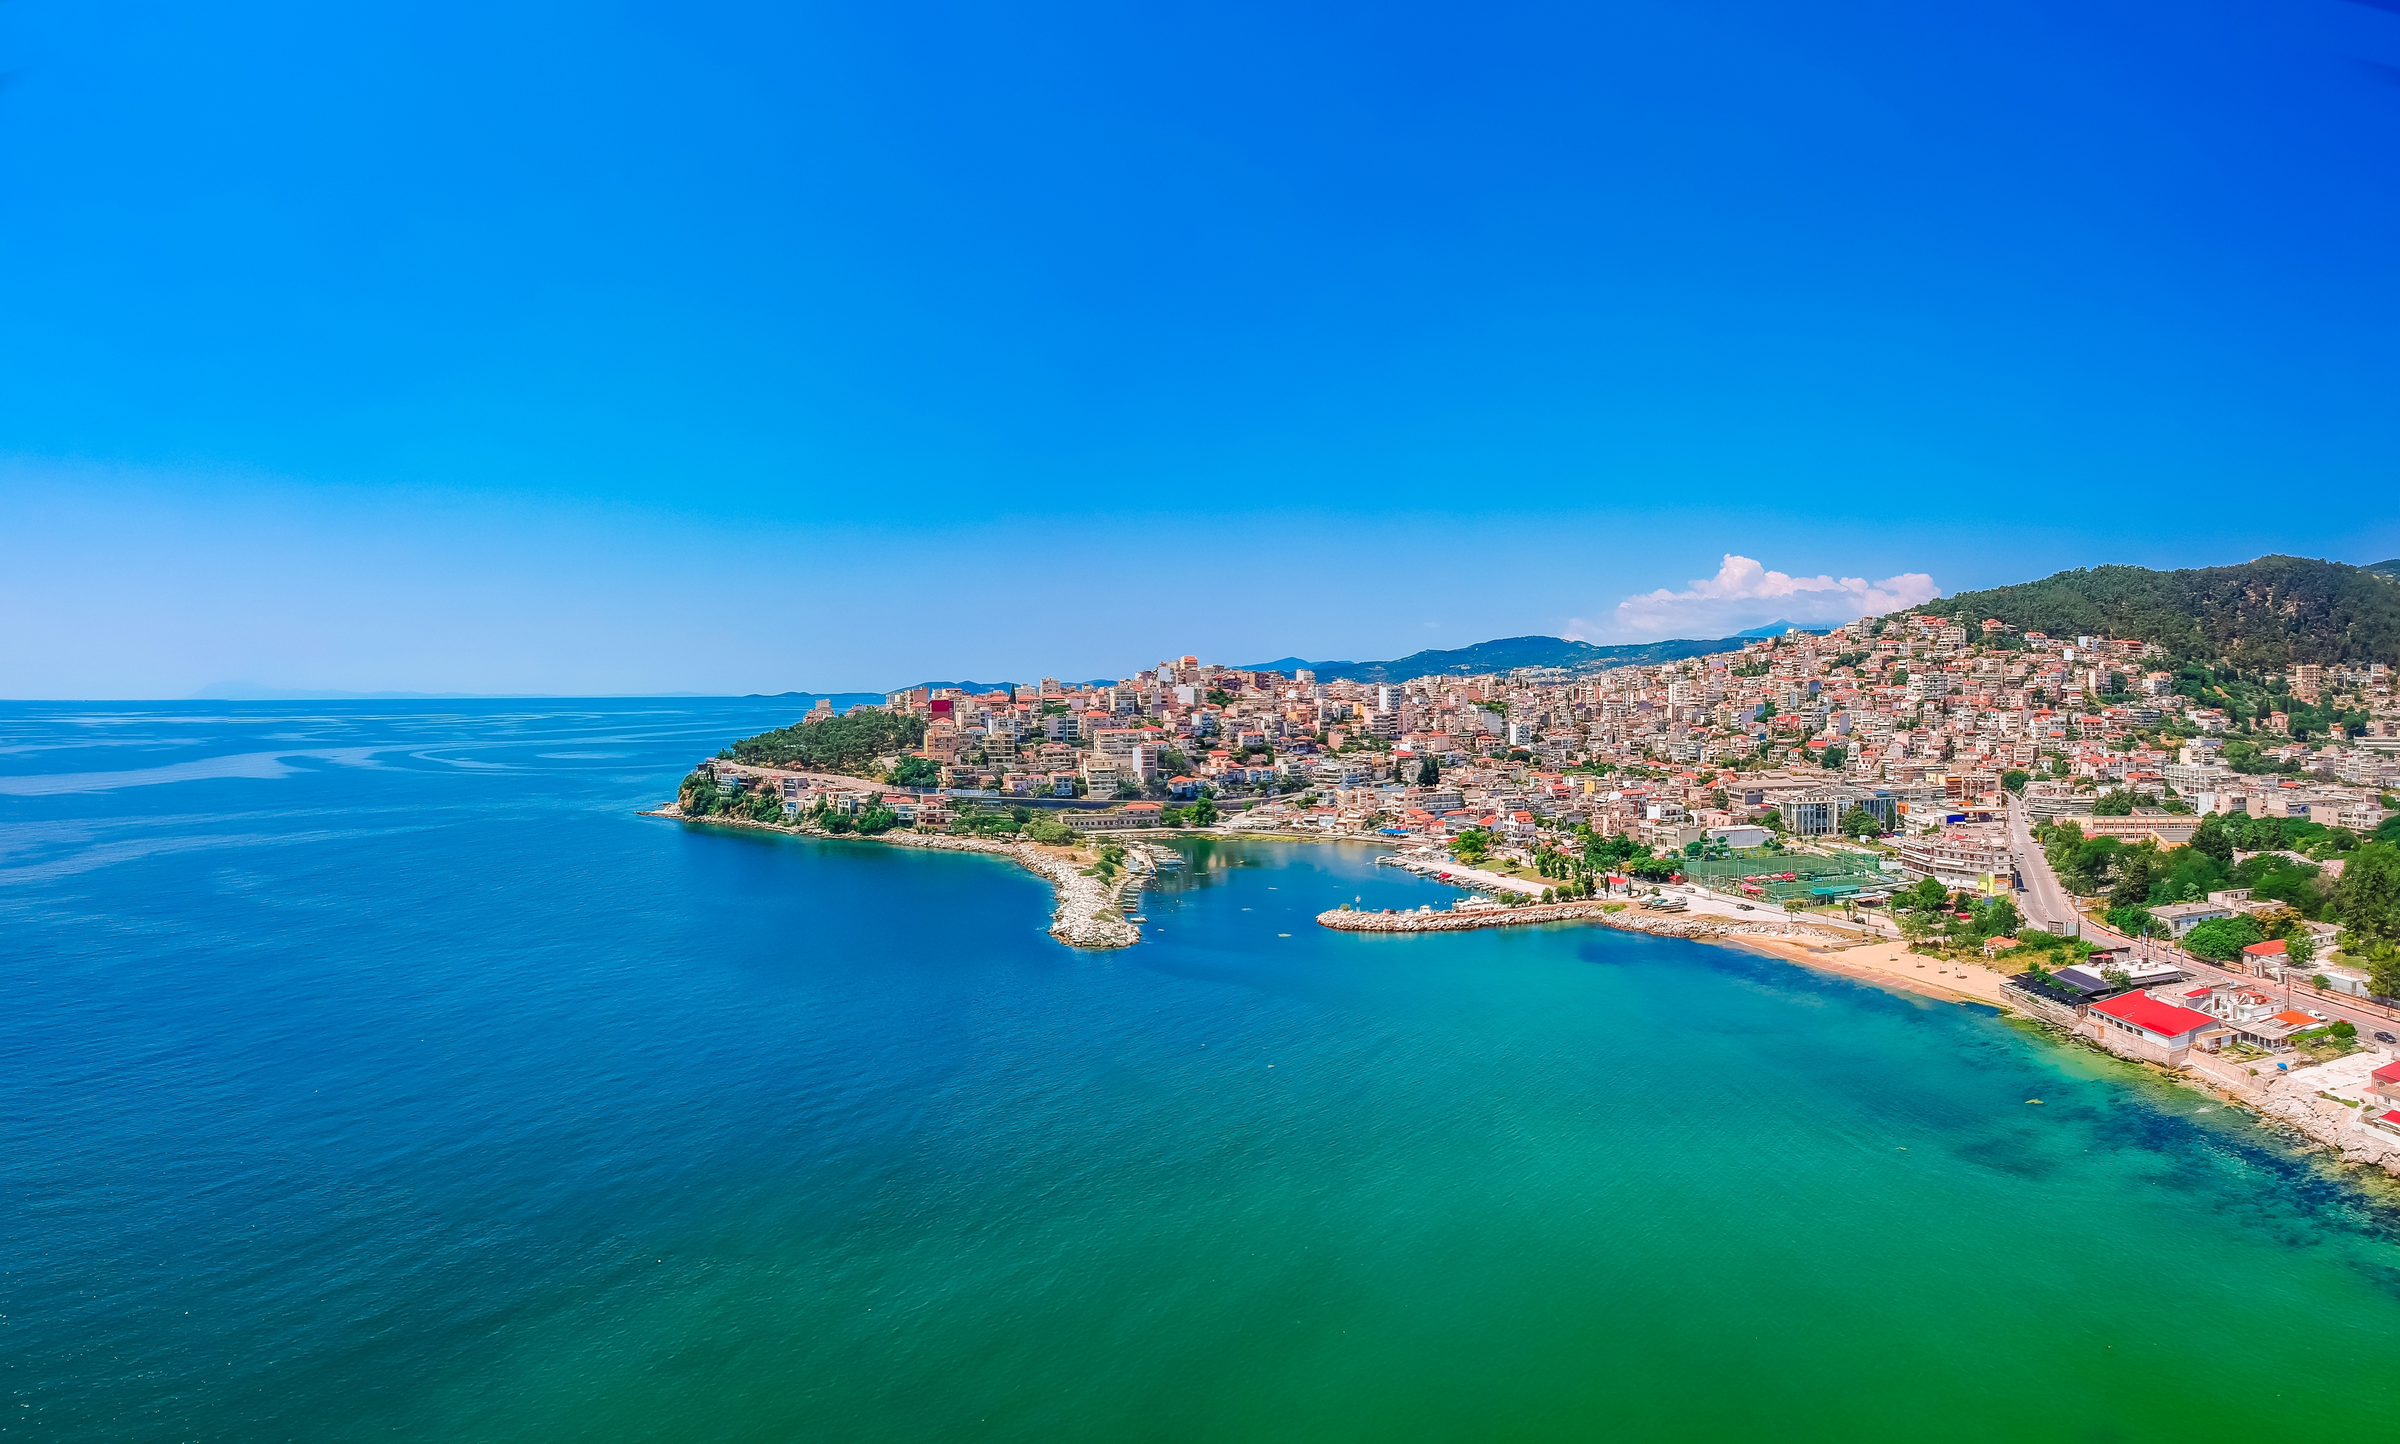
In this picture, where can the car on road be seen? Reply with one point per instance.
(1744, 907)
(2386, 1038)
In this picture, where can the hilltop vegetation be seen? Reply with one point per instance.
(831, 744)
(2269, 614)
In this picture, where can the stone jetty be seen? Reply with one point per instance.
(1090, 912)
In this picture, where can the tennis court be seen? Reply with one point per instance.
(1783, 877)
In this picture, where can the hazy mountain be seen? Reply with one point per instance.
(1511, 652)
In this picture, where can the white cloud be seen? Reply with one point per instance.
(1745, 594)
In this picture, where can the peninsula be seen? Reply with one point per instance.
(2077, 827)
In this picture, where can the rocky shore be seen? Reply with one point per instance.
(1090, 911)
(1616, 915)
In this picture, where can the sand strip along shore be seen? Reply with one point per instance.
(1629, 917)
(1835, 950)
(1090, 912)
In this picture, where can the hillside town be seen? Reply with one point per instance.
(2168, 861)
(1906, 722)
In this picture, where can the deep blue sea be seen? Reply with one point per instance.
(373, 1071)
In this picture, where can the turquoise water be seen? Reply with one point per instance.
(373, 1071)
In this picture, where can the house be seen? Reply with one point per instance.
(2141, 1026)
(2091, 978)
(1183, 789)
(2262, 956)
(1112, 821)
(2181, 918)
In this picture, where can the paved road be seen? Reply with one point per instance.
(2046, 900)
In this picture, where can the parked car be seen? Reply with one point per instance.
(2386, 1038)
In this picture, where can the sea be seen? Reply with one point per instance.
(372, 1070)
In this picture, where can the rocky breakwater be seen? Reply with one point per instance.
(1090, 911)
(2327, 1103)
(1615, 915)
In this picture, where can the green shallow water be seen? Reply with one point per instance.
(422, 1091)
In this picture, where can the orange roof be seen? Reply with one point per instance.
(2294, 1019)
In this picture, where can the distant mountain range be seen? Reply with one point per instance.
(2270, 613)
(1512, 652)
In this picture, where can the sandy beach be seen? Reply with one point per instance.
(1890, 963)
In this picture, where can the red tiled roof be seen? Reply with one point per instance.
(2144, 1011)
(2294, 1019)
(2272, 948)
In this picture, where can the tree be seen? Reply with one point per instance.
(2116, 803)
(2014, 779)
(2132, 921)
(915, 772)
(2134, 868)
(2223, 938)
(1203, 813)
(2383, 971)
(2368, 897)
(1859, 822)
(698, 796)
(2212, 840)
(1835, 757)
(1998, 918)
(1429, 772)
(2299, 949)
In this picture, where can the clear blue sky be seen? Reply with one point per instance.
(645, 347)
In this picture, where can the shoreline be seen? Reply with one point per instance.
(1089, 912)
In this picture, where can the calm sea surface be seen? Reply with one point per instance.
(370, 1070)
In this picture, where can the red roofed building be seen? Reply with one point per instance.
(2383, 1098)
(2140, 1026)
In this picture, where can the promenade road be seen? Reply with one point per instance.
(2046, 900)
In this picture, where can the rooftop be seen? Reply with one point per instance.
(2144, 1011)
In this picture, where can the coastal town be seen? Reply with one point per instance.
(2150, 856)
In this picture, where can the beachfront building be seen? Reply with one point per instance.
(1972, 858)
(2141, 1026)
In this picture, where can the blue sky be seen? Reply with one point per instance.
(630, 348)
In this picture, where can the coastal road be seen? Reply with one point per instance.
(2046, 900)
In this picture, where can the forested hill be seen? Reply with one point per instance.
(849, 743)
(1504, 654)
(2271, 613)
